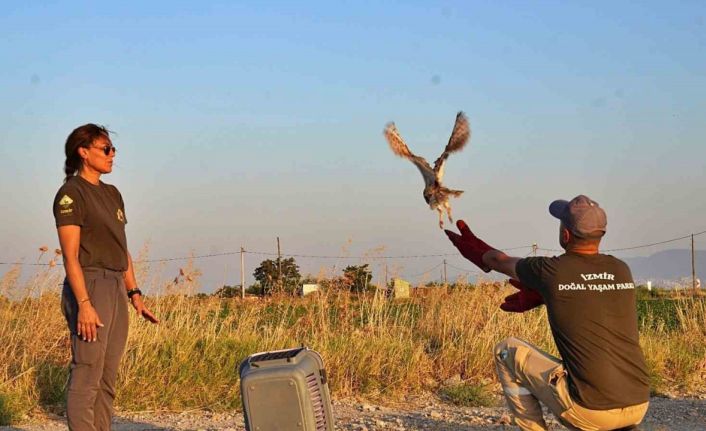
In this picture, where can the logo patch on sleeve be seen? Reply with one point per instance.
(65, 204)
(121, 215)
(66, 201)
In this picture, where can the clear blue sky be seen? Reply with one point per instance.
(238, 123)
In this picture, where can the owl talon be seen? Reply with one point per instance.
(448, 213)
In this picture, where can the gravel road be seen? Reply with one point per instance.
(418, 414)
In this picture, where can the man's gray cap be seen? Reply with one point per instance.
(581, 215)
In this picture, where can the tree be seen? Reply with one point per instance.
(228, 292)
(358, 277)
(268, 275)
(254, 289)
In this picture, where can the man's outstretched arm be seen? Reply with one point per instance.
(489, 259)
(481, 254)
(496, 260)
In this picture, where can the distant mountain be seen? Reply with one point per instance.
(669, 265)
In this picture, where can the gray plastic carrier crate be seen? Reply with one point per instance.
(285, 390)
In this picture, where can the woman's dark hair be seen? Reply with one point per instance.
(81, 137)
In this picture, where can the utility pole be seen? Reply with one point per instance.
(279, 264)
(385, 276)
(242, 272)
(534, 249)
(446, 281)
(693, 265)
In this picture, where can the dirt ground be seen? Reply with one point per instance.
(418, 414)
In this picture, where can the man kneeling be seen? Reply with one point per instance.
(601, 381)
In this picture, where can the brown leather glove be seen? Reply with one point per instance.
(470, 246)
(524, 300)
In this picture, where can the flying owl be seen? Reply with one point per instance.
(435, 194)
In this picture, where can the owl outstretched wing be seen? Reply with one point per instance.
(460, 135)
(398, 147)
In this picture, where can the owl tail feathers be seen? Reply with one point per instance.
(454, 193)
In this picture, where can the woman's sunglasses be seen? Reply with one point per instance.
(107, 149)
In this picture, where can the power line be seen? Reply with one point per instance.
(637, 246)
(309, 256)
(202, 256)
(464, 270)
(411, 256)
(516, 248)
(263, 253)
(312, 256)
(656, 243)
(534, 250)
(427, 271)
(549, 249)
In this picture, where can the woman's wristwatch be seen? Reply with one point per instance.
(134, 291)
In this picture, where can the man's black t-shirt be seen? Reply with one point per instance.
(100, 211)
(592, 313)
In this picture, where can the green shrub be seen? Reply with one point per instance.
(9, 409)
(468, 395)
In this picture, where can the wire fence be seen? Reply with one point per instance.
(635, 247)
(534, 248)
(273, 254)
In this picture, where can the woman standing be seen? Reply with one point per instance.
(90, 219)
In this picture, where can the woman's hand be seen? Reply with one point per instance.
(141, 309)
(88, 322)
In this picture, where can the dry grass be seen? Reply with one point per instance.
(372, 347)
